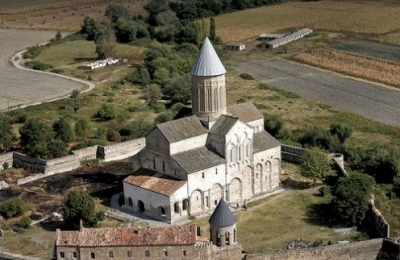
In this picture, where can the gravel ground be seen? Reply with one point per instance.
(21, 87)
(372, 101)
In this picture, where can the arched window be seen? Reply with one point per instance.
(185, 204)
(176, 207)
(141, 206)
(162, 212)
(227, 238)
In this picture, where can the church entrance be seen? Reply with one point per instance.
(235, 191)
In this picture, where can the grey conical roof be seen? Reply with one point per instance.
(207, 61)
(222, 216)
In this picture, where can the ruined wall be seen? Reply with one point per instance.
(88, 153)
(377, 222)
(365, 250)
(24, 161)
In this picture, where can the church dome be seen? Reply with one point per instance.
(207, 61)
(222, 216)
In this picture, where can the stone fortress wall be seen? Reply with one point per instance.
(70, 162)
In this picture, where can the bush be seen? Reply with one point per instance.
(38, 65)
(24, 222)
(246, 76)
(106, 112)
(33, 52)
(57, 71)
(5, 165)
(273, 124)
(316, 136)
(158, 107)
(324, 190)
(13, 207)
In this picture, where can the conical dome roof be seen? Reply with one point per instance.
(222, 216)
(207, 61)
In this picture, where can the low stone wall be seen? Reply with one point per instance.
(377, 221)
(68, 163)
(6, 158)
(390, 249)
(291, 153)
(365, 250)
(122, 150)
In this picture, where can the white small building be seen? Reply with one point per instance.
(288, 38)
(235, 46)
(270, 36)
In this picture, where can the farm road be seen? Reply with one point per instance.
(25, 87)
(363, 98)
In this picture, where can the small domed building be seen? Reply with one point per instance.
(217, 152)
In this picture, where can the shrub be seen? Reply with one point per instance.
(246, 76)
(324, 190)
(57, 71)
(25, 222)
(106, 112)
(5, 165)
(273, 124)
(13, 207)
(158, 107)
(38, 65)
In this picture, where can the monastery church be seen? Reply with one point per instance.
(189, 164)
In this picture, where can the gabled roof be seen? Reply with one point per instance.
(128, 236)
(246, 112)
(222, 216)
(207, 61)
(181, 129)
(264, 141)
(198, 159)
(155, 181)
(223, 125)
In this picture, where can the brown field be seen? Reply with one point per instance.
(352, 64)
(369, 18)
(58, 15)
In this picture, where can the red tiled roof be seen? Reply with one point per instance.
(128, 236)
(155, 181)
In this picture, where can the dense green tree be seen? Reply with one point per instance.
(6, 134)
(13, 207)
(351, 196)
(63, 130)
(136, 129)
(273, 124)
(106, 112)
(34, 136)
(316, 136)
(314, 164)
(179, 90)
(114, 12)
(342, 131)
(154, 7)
(78, 205)
(56, 149)
(89, 27)
(125, 31)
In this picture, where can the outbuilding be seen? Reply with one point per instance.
(236, 46)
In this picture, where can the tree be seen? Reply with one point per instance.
(106, 44)
(314, 164)
(6, 134)
(273, 124)
(342, 131)
(89, 27)
(78, 205)
(154, 7)
(179, 90)
(213, 35)
(13, 207)
(316, 136)
(106, 112)
(56, 149)
(114, 12)
(58, 36)
(35, 135)
(63, 130)
(351, 196)
(82, 127)
(153, 93)
(201, 30)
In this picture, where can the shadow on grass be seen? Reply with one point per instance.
(319, 214)
(83, 59)
(296, 184)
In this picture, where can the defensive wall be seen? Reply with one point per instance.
(46, 168)
(365, 250)
(390, 249)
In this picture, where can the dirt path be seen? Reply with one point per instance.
(22, 87)
(381, 104)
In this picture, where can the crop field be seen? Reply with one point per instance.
(374, 49)
(352, 64)
(59, 15)
(363, 98)
(370, 18)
